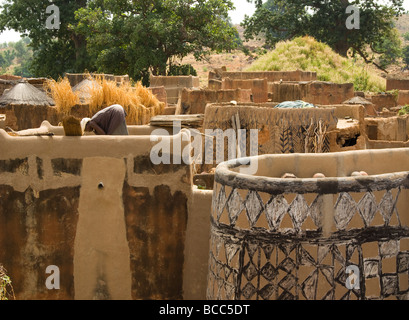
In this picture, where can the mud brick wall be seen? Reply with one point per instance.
(122, 79)
(384, 100)
(271, 76)
(5, 84)
(9, 77)
(326, 93)
(259, 87)
(26, 117)
(174, 85)
(174, 81)
(37, 82)
(75, 78)
(113, 223)
(160, 93)
(316, 92)
(279, 130)
(403, 97)
(214, 84)
(397, 84)
(388, 129)
(195, 101)
(287, 91)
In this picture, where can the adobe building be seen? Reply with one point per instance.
(173, 86)
(119, 225)
(26, 106)
(116, 225)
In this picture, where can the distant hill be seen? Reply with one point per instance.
(402, 24)
(15, 58)
(305, 53)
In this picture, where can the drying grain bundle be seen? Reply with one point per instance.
(62, 94)
(72, 126)
(139, 102)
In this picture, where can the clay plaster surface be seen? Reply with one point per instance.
(106, 248)
(101, 260)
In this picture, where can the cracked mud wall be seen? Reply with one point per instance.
(122, 241)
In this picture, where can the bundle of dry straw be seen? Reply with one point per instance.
(62, 94)
(138, 101)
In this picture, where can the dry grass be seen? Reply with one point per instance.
(72, 126)
(138, 101)
(62, 94)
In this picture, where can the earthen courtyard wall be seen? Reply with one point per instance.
(116, 225)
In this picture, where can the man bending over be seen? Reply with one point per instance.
(108, 121)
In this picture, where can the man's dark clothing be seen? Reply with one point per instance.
(110, 118)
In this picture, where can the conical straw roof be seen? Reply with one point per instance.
(357, 100)
(84, 88)
(23, 93)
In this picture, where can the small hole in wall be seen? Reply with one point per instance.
(100, 185)
(350, 142)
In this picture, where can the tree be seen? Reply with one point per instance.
(405, 55)
(55, 50)
(144, 36)
(23, 70)
(21, 49)
(25, 57)
(3, 62)
(9, 56)
(390, 48)
(326, 20)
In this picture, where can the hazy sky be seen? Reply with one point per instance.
(242, 8)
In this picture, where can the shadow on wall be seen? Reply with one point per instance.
(94, 208)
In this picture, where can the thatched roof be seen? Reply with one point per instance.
(84, 88)
(358, 100)
(23, 93)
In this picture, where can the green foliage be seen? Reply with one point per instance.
(142, 37)
(390, 49)
(285, 19)
(24, 69)
(17, 58)
(305, 53)
(6, 58)
(133, 37)
(3, 62)
(405, 55)
(9, 56)
(182, 70)
(404, 110)
(394, 93)
(21, 49)
(55, 50)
